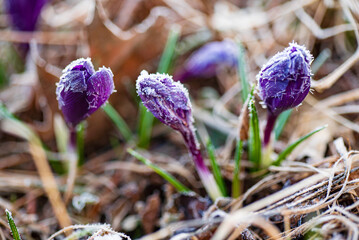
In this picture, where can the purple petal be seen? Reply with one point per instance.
(284, 81)
(81, 90)
(99, 88)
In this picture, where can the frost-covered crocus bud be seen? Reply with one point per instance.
(81, 90)
(169, 102)
(284, 82)
(206, 61)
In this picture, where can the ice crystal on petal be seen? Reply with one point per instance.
(284, 81)
(167, 100)
(81, 90)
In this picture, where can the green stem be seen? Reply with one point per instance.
(72, 158)
(215, 168)
(145, 128)
(13, 228)
(236, 187)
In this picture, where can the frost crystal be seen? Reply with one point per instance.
(284, 81)
(81, 90)
(167, 100)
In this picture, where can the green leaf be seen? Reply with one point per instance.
(12, 225)
(237, 167)
(18, 128)
(163, 173)
(169, 51)
(146, 118)
(215, 168)
(291, 147)
(242, 73)
(281, 121)
(118, 121)
(254, 141)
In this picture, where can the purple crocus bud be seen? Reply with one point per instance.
(23, 16)
(169, 102)
(284, 82)
(210, 58)
(81, 90)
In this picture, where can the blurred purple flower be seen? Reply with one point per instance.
(81, 90)
(206, 61)
(169, 102)
(23, 16)
(24, 13)
(284, 82)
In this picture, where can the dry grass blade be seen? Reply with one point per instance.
(39, 156)
(332, 114)
(54, 38)
(49, 184)
(317, 31)
(231, 220)
(329, 80)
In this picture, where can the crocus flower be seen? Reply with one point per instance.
(23, 16)
(210, 58)
(81, 90)
(169, 102)
(284, 82)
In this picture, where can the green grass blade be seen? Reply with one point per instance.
(237, 167)
(145, 127)
(291, 147)
(146, 118)
(5, 113)
(163, 173)
(254, 141)
(169, 51)
(242, 73)
(215, 168)
(281, 121)
(22, 129)
(118, 121)
(321, 59)
(12, 225)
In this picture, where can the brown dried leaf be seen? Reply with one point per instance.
(150, 213)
